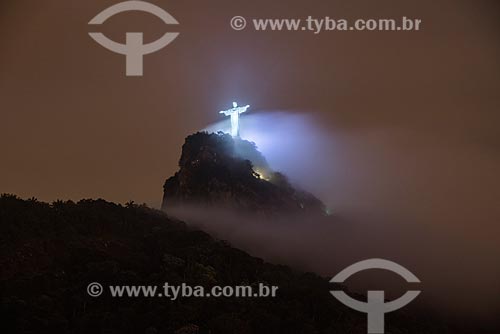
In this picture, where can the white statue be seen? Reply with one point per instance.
(235, 112)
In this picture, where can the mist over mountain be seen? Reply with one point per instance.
(230, 193)
(224, 190)
(224, 186)
(51, 252)
(217, 170)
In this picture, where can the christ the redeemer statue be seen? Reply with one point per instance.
(235, 112)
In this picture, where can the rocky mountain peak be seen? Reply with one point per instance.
(216, 169)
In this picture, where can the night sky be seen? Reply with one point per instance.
(73, 126)
(402, 129)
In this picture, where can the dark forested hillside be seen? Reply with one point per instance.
(51, 252)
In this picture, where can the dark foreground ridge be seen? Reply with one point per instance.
(219, 170)
(51, 252)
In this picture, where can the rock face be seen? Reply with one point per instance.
(219, 170)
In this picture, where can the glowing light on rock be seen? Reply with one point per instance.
(262, 175)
